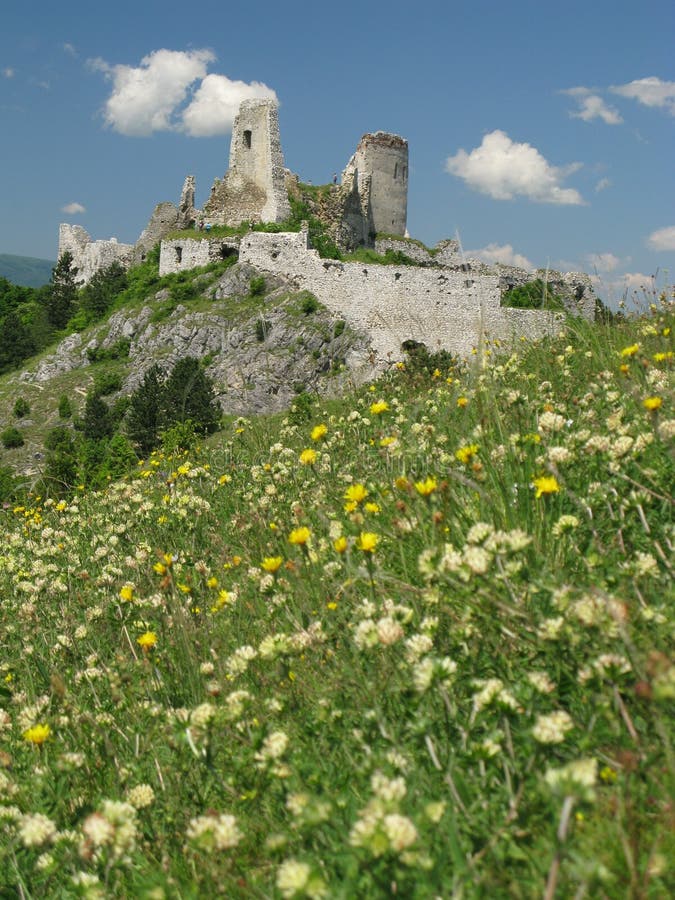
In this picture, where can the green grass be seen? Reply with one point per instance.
(419, 645)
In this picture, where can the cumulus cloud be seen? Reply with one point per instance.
(151, 97)
(504, 254)
(504, 169)
(144, 97)
(72, 209)
(662, 239)
(592, 106)
(8, 72)
(603, 262)
(602, 185)
(216, 102)
(650, 92)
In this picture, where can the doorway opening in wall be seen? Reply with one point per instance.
(227, 252)
(179, 254)
(247, 139)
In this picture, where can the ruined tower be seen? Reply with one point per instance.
(254, 186)
(380, 165)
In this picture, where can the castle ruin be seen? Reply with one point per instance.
(442, 299)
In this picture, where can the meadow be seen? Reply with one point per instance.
(415, 644)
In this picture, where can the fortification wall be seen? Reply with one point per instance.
(90, 256)
(444, 309)
(383, 158)
(186, 253)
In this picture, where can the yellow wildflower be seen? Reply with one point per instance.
(127, 593)
(340, 544)
(547, 484)
(37, 734)
(367, 541)
(147, 640)
(212, 582)
(652, 403)
(224, 479)
(462, 402)
(426, 487)
(271, 564)
(308, 457)
(355, 493)
(372, 507)
(631, 350)
(318, 432)
(299, 536)
(464, 454)
(378, 407)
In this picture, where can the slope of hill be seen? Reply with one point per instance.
(413, 645)
(27, 271)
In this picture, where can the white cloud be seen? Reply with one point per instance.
(502, 253)
(144, 98)
(602, 185)
(150, 97)
(69, 49)
(503, 169)
(662, 239)
(73, 208)
(592, 106)
(650, 92)
(603, 262)
(216, 102)
(8, 72)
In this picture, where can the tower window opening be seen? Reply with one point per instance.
(395, 170)
(179, 254)
(247, 139)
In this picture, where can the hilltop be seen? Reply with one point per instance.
(25, 270)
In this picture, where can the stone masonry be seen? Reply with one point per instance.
(443, 308)
(90, 256)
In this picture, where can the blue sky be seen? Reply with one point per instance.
(541, 132)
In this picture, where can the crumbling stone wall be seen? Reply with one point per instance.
(442, 308)
(254, 186)
(90, 256)
(186, 253)
(380, 168)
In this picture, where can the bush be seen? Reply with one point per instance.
(181, 436)
(533, 295)
(301, 409)
(257, 286)
(309, 303)
(11, 437)
(118, 350)
(65, 407)
(21, 408)
(106, 383)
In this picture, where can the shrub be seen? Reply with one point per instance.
(106, 383)
(181, 436)
(11, 437)
(309, 303)
(65, 407)
(338, 328)
(257, 286)
(21, 408)
(533, 295)
(301, 408)
(118, 350)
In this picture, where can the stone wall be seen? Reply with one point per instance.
(254, 186)
(90, 256)
(382, 158)
(445, 309)
(186, 253)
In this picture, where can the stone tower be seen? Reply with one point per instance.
(380, 165)
(254, 187)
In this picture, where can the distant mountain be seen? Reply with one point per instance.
(25, 270)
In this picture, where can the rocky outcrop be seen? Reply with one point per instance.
(262, 351)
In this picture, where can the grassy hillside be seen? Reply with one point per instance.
(25, 270)
(417, 645)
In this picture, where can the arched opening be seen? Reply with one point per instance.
(179, 254)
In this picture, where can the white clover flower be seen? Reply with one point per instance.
(416, 646)
(36, 829)
(387, 789)
(202, 715)
(579, 774)
(400, 831)
(553, 727)
(478, 533)
(214, 832)
(141, 796)
(559, 455)
(541, 682)
(477, 559)
(273, 746)
(423, 674)
(365, 634)
(550, 421)
(389, 631)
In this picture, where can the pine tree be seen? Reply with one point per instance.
(145, 418)
(189, 395)
(62, 291)
(16, 342)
